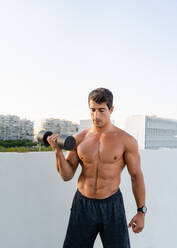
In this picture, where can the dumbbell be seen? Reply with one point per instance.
(64, 142)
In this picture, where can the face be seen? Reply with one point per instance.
(100, 113)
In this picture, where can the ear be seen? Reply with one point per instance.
(111, 109)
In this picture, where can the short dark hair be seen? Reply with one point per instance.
(101, 95)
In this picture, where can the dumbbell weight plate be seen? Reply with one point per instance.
(66, 142)
(42, 137)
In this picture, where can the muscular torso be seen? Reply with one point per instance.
(101, 158)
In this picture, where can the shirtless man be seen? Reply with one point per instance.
(102, 150)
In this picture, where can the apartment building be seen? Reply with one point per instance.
(152, 132)
(59, 126)
(14, 128)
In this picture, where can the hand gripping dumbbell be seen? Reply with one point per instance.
(64, 142)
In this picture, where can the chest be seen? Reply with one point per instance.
(106, 149)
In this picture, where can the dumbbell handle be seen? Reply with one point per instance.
(64, 142)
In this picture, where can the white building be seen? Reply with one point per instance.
(14, 128)
(59, 126)
(152, 132)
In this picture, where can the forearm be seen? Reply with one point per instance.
(62, 166)
(138, 188)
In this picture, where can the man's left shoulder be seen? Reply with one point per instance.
(123, 133)
(129, 141)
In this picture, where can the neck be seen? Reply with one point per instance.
(103, 129)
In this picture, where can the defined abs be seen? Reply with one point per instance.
(97, 187)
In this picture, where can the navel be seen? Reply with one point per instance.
(115, 157)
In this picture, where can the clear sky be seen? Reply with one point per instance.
(53, 53)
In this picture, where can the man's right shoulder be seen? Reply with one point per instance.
(81, 135)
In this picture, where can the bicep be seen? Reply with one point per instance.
(132, 158)
(73, 159)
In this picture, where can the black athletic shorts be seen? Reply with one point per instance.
(90, 216)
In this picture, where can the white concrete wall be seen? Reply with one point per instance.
(35, 202)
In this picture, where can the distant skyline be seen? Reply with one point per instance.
(54, 53)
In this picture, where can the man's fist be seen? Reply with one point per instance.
(52, 139)
(137, 222)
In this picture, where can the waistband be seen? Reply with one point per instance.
(111, 197)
